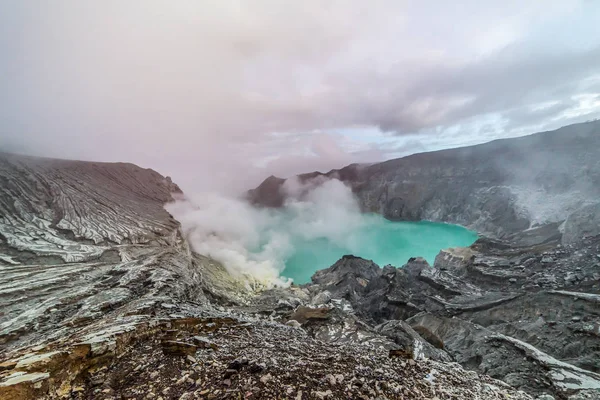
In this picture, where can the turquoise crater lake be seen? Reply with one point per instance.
(384, 242)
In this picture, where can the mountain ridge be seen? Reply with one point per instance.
(500, 188)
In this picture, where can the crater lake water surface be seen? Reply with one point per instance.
(380, 240)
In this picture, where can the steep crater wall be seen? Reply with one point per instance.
(499, 189)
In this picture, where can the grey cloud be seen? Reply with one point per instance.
(501, 83)
(200, 90)
(525, 117)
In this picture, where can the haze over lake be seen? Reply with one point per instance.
(378, 239)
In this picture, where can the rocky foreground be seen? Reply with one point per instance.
(101, 297)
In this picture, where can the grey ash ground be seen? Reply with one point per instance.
(265, 360)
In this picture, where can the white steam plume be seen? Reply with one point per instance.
(255, 243)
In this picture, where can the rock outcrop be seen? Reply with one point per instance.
(583, 222)
(529, 316)
(89, 261)
(499, 188)
(79, 240)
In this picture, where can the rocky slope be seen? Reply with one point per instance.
(529, 316)
(80, 239)
(87, 254)
(499, 188)
(102, 298)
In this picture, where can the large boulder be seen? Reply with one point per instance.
(347, 278)
(411, 342)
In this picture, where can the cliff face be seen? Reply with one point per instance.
(44, 202)
(70, 242)
(498, 188)
(88, 254)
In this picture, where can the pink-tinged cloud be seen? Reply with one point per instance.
(221, 94)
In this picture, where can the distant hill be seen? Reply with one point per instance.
(498, 188)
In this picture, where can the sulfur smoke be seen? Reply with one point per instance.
(254, 243)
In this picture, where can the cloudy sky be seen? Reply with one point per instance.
(220, 94)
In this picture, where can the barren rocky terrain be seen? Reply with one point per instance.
(101, 296)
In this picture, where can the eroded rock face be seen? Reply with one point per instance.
(79, 240)
(347, 278)
(88, 258)
(583, 222)
(413, 342)
(72, 210)
(499, 188)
